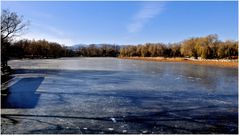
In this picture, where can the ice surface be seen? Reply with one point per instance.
(96, 95)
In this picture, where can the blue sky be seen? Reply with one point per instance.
(122, 22)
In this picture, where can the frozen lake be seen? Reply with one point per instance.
(110, 95)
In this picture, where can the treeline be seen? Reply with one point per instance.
(38, 49)
(104, 50)
(208, 47)
(45, 49)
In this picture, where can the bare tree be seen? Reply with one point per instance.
(11, 25)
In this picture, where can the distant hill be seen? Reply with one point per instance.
(77, 46)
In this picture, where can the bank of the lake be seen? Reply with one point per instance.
(212, 62)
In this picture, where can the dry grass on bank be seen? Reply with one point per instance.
(226, 64)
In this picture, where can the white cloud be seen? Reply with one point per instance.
(148, 11)
(47, 28)
(41, 14)
(39, 31)
(49, 37)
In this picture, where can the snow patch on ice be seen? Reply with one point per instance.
(110, 129)
(113, 119)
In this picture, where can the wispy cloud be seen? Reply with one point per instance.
(48, 32)
(47, 28)
(44, 35)
(148, 11)
(41, 14)
(39, 29)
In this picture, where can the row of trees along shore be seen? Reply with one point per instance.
(44, 49)
(38, 49)
(209, 47)
(103, 50)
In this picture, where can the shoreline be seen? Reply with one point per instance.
(208, 62)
